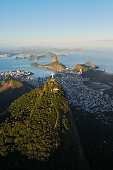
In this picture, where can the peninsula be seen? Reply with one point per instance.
(85, 67)
(55, 65)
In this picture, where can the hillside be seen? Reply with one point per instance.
(40, 132)
(80, 66)
(11, 84)
(39, 111)
(99, 76)
(85, 67)
(55, 66)
(11, 90)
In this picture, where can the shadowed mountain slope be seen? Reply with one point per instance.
(10, 91)
(41, 129)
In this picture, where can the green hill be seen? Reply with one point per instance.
(81, 66)
(34, 127)
(11, 90)
(40, 132)
(85, 67)
(11, 84)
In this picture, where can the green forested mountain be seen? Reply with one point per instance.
(40, 132)
(11, 90)
(38, 120)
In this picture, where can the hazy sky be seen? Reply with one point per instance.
(76, 23)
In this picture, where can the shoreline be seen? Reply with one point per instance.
(109, 73)
(15, 74)
(66, 70)
(78, 94)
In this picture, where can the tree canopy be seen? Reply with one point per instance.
(38, 120)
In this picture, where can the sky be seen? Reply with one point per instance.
(58, 23)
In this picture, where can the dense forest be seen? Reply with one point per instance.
(10, 90)
(38, 131)
(34, 132)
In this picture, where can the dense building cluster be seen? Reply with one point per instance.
(78, 94)
(14, 74)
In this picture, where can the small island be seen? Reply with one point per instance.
(91, 65)
(30, 57)
(55, 65)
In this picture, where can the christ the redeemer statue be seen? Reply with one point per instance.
(52, 76)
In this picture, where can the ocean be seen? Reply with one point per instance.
(102, 58)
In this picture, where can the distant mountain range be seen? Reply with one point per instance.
(36, 52)
(37, 56)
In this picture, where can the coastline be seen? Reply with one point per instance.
(93, 100)
(69, 60)
(109, 73)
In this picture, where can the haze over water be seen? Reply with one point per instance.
(103, 59)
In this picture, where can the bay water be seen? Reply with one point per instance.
(104, 59)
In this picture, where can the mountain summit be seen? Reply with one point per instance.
(55, 59)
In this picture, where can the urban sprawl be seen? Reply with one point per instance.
(78, 94)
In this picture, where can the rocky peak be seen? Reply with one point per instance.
(55, 59)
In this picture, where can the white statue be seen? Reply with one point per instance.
(52, 76)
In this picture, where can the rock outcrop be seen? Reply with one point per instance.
(55, 59)
(55, 65)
